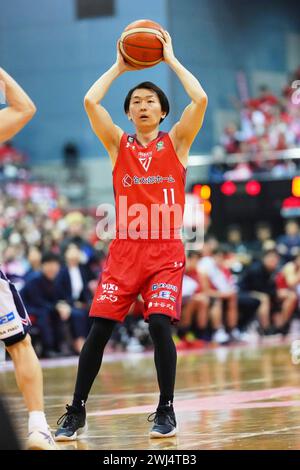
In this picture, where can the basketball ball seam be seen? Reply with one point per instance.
(141, 30)
(141, 47)
(137, 62)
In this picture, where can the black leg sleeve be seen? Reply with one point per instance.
(165, 355)
(91, 358)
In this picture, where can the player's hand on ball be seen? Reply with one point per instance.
(166, 41)
(123, 66)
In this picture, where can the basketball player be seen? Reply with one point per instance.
(149, 170)
(14, 321)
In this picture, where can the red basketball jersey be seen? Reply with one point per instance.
(149, 188)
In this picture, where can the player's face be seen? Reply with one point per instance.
(145, 109)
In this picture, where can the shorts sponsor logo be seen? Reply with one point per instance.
(110, 297)
(178, 264)
(161, 305)
(163, 285)
(7, 318)
(10, 325)
(164, 295)
(109, 288)
(108, 293)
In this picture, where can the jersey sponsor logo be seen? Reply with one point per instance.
(160, 145)
(163, 285)
(127, 181)
(153, 179)
(145, 154)
(130, 141)
(145, 161)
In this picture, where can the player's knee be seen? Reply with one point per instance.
(159, 325)
(18, 347)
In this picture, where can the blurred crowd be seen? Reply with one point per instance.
(241, 290)
(233, 290)
(268, 124)
(12, 163)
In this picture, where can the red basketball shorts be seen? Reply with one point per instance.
(153, 269)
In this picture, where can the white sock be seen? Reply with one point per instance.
(37, 420)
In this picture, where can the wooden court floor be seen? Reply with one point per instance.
(227, 398)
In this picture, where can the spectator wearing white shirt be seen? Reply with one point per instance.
(218, 283)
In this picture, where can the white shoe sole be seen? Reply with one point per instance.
(158, 435)
(77, 435)
(37, 442)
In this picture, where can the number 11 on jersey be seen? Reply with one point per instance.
(166, 197)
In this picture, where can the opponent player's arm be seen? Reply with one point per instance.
(20, 107)
(185, 130)
(101, 122)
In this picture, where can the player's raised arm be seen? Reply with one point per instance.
(20, 107)
(185, 130)
(101, 122)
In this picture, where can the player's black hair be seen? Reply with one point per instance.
(50, 257)
(164, 102)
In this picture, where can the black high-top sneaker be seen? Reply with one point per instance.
(164, 422)
(71, 424)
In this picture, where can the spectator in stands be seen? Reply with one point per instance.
(34, 259)
(267, 123)
(263, 233)
(75, 234)
(259, 282)
(73, 292)
(14, 262)
(194, 306)
(239, 253)
(218, 284)
(234, 239)
(40, 298)
(230, 138)
(289, 243)
(288, 280)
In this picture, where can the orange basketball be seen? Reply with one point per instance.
(139, 45)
